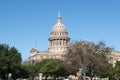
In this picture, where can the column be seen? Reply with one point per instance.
(59, 42)
(53, 42)
(62, 41)
(50, 43)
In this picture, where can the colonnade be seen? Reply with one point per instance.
(59, 42)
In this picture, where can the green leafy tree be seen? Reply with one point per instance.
(49, 67)
(62, 71)
(10, 60)
(116, 70)
(31, 70)
(25, 71)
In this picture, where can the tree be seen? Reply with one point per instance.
(48, 67)
(28, 70)
(62, 71)
(51, 67)
(10, 60)
(24, 71)
(116, 70)
(88, 56)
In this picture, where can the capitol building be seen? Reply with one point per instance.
(58, 43)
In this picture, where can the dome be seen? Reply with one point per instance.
(59, 27)
(59, 40)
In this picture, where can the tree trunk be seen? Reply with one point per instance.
(46, 77)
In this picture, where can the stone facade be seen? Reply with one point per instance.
(114, 57)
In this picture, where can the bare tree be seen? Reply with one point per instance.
(86, 55)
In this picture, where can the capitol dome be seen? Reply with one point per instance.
(59, 27)
(59, 40)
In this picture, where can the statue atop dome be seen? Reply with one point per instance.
(59, 18)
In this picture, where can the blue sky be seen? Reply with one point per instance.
(25, 24)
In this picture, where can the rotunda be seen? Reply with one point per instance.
(59, 40)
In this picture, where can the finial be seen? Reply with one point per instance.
(59, 13)
(59, 18)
